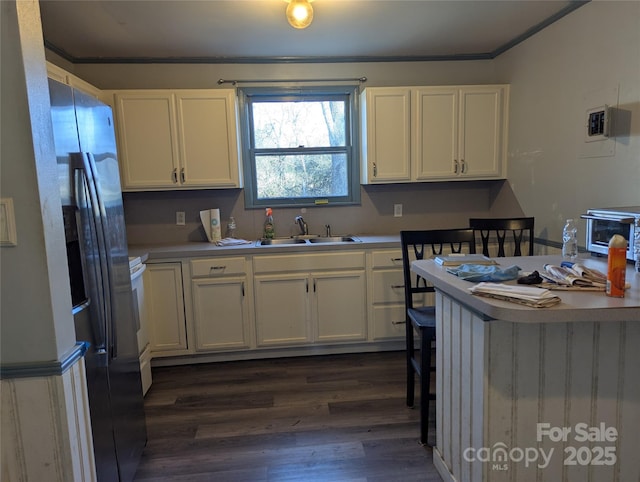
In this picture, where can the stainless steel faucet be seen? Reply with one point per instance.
(304, 228)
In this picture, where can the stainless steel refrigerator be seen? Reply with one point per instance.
(99, 276)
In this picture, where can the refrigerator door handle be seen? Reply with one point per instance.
(84, 181)
(90, 163)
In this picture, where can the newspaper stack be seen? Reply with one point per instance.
(573, 277)
(524, 295)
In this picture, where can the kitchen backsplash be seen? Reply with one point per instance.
(151, 216)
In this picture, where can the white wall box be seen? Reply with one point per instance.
(164, 299)
(442, 133)
(177, 139)
(221, 304)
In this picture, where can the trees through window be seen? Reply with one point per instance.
(298, 146)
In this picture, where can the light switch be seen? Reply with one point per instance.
(397, 210)
(180, 218)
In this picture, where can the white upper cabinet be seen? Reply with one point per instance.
(386, 133)
(177, 139)
(423, 134)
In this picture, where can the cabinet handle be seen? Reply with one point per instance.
(217, 268)
(306, 285)
(393, 287)
(242, 288)
(393, 260)
(182, 178)
(403, 322)
(174, 176)
(463, 169)
(455, 166)
(375, 170)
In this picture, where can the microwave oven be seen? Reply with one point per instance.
(603, 223)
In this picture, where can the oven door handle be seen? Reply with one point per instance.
(605, 218)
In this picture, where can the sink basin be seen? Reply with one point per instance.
(280, 241)
(334, 239)
(297, 240)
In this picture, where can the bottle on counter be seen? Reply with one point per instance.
(231, 228)
(616, 266)
(570, 240)
(269, 227)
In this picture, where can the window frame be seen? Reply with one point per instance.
(352, 148)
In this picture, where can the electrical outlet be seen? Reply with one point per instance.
(180, 219)
(397, 210)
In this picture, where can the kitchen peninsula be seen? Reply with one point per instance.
(536, 393)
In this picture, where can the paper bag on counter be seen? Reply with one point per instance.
(211, 223)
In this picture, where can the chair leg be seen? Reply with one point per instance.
(425, 383)
(410, 371)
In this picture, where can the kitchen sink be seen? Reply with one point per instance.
(334, 239)
(280, 241)
(298, 240)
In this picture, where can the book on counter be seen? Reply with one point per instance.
(460, 259)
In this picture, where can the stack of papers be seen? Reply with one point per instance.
(524, 295)
(459, 259)
(231, 242)
(575, 277)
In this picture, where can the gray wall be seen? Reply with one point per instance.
(36, 324)
(553, 76)
(150, 217)
(575, 64)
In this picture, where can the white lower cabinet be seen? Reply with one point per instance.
(220, 298)
(282, 309)
(317, 298)
(386, 292)
(164, 299)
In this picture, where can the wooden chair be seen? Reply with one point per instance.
(500, 227)
(420, 316)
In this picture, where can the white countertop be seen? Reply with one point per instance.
(202, 249)
(575, 306)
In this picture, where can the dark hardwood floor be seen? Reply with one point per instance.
(322, 418)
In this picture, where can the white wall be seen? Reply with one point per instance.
(574, 64)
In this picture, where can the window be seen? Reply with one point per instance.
(298, 146)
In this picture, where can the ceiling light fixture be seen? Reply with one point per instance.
(299, 13)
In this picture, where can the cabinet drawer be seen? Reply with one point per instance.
(388, 322)
(309, 262)
(388, 286)
(212, 267)
(387, 259)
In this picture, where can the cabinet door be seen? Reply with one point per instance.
(282, 309)
(387, 140)
(220, 313)
(164, 300)
(481, 133)
(435, 139)
(339, 306)
(207, 134)
(147, 140)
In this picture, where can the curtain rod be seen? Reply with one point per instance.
(238, 81)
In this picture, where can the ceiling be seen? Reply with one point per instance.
(248, 31)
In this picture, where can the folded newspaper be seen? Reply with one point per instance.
(231, 242)
(573, 277)
(524, 295)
